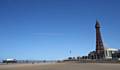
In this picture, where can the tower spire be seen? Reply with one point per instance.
(97, 24)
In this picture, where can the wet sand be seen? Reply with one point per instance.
(61, 66)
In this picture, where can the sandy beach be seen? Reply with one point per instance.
(61, 66)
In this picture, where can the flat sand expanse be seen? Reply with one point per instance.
(61, 66)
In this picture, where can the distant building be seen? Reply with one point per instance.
(109, 52)
(10, 61)
(116, 55)
(92, 55)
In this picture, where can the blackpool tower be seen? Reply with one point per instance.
(99, 42)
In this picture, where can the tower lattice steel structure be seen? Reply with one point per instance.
(99, 42)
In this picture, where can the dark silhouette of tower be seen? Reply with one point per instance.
(99, 42)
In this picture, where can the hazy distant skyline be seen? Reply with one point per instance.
(49, 29)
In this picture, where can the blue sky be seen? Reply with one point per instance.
(49, 29)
